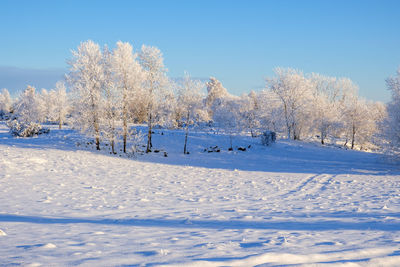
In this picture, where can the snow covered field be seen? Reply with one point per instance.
(290, 204)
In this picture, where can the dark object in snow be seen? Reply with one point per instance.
(212, 149)
(165, 154)
(268, 138)
(249, 146)
(26, 129)
(156, 150)
(230, 149)
(241, 148)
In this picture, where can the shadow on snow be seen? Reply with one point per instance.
(285, 156)
(326, 225)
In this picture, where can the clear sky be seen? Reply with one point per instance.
(238, 42)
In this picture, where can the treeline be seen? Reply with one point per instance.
(110, 89)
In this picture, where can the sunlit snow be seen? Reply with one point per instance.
(294, 203)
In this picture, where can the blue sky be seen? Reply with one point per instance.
(238, 42)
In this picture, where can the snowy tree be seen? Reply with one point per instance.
(295, 92)
(111, 103)
(151, 60)
(249, 111)
(215, 90)
(86, 79)
(46, 105)
(329, 95)
(190, 100)
(167, 106)
(61, 105)
(129, 80)
(356, 119)
(393, 109)
(226, 115)
(270, 113)
(27, 107)
(5, 102)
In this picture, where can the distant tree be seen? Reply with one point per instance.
(5, 102)
(226, 116)
(190, 100)
(86, 79)
(27, 107)
(45, 103)
(249, 112)
(393, 109)
(61, 103)
(356, 119)
(129, 81)
(167, 106)
(151, 60)
(215, 90)
(329, 94)
(295, 92)
(111, 102)
(270, 113)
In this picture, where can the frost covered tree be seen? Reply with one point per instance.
(27, 108)
(329, 94)
(151, 60)
(86, 77)
(358, 122)
(5, 102)
(111, 102)
(190, 100)
(215, 90)
(46, 105)
(270, 112)
(129, 81)
(166, 112)
(249, 112)
(393, 110)
(226, 116)
(61, 104)
(295, 92)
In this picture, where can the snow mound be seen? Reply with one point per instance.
(49, 246)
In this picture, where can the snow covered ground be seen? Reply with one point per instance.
(290, 204)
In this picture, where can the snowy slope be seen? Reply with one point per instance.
(293, 203)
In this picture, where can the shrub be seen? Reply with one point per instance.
(26, 129)
(268, 138)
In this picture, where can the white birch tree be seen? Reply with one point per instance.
(190, 101)
(5, 102)
(86, 78)
(151, 60)
(129, 81)
(294, 91)
(27, 107)
(393, 109)
(61, 104)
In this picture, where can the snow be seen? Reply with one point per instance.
(293, 203)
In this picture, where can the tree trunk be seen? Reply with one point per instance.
(125, 131)
(112, 147)
(98, 143)
(186, 132)
(60, 124)
(149, 144)
(322, 138)
(186, 137)
(125, 116)
(353, 137)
